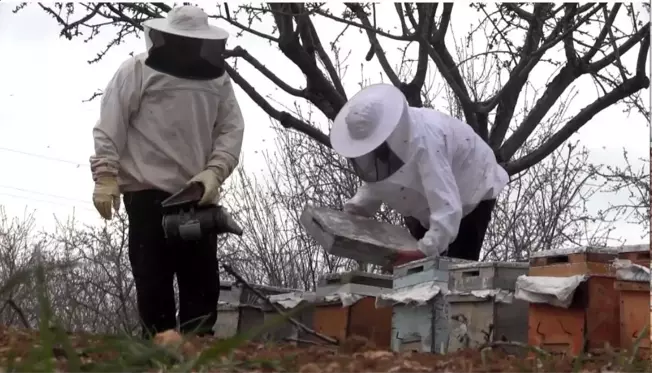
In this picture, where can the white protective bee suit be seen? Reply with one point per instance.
(169, 117)
(420, 162)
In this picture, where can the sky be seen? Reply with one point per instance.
(45, 126)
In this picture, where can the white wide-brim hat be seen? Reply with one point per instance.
(382, 105)
(189, 21)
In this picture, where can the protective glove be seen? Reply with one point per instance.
(105, 195)
(406, 256)
(211, 179)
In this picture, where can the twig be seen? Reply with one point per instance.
(19, 312)
(516, 344)
(296, 323)
(299, 340)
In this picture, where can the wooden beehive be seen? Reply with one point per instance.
(482, 305)
(354, 282)
(226, 325)
(355, 237)
(302, 312)
(362, 318)
(591, 321)
(638, 254)
(425, 327)
(634, 299)
(251, 317)
(485, 275)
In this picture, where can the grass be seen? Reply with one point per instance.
(126, 353)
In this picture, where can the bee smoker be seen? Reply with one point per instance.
(184, 219)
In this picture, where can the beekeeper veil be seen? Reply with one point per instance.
(185, 45)
(372, 130)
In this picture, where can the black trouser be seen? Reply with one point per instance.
(470, 236)
(154, 262)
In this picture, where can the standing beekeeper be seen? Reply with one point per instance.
(169, 117)
(428, 166)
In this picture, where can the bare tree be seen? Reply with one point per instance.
(633, 179)
(518, 39)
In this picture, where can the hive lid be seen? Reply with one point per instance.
(471, 265)
(634, 248)
(576, 250)
(354, 237)
(356, 277)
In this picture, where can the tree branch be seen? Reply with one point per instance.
(620, 51)
(629, 87)
(285, 119)
(240, 52)
(375, 44)
(319, 90)
(508, 100)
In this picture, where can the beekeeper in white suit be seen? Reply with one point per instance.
(426, 165)
(169, 117)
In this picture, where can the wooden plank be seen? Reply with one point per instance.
(572, 258)
(572, 269)
(602, 324)
(370, 322)
(632, 286)
(634, 318)
(555, 329)
(331, 320)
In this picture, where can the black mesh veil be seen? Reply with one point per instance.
(185, 57)
(377, 165)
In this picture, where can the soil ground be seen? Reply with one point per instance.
(106, 353)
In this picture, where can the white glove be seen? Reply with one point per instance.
(106, 195)
(211, 179)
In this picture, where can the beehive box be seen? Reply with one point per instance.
(573, 261)
(482, 305)
(485, 275)
(251, 317)
(332, 317)
(354, 237)
(591, 320)
(633, 287)
(354, 282)
(423, 270)
(638, 254)
(289, 302)
(420, 325)
(228, 313)
(226, 325)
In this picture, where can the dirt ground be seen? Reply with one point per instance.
(355, 355)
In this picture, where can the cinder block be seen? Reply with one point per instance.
(485, 275)
(355, 237)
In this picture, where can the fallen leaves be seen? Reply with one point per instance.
(353, 355)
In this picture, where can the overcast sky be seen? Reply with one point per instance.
(46, 128)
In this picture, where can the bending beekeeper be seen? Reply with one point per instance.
(169, 117)
(430, 167)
